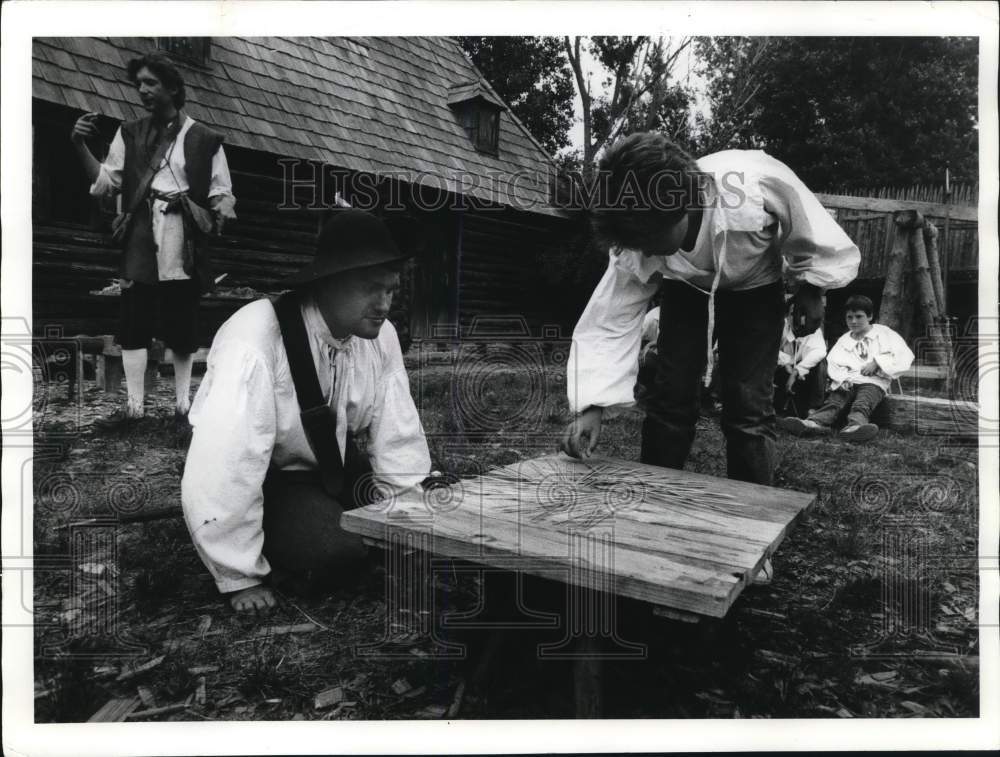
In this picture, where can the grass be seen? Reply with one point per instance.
(872, 612)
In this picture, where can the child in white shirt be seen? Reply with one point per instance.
(860, 366)
(799, 377)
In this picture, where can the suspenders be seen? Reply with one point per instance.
(318, 419)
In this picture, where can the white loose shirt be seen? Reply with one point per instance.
(170, 179)
(802, 352)
(762, 223)
(881, 344)
(246, 418)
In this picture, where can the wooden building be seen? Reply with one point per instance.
(404, 126)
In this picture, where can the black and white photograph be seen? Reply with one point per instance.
(578, 385)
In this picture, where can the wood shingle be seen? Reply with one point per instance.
(367, 104)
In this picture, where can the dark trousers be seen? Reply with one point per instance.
(302, 533)
(806, 393)
(860, 401)
(748, 326)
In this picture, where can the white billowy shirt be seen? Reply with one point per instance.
(246, 418)
(761, 223)
(170, 178)
(802, 352)
(881, 344)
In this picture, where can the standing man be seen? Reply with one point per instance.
(171, 172)
(291, 386)
(715, 237)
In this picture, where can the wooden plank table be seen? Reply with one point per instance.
(685, 543)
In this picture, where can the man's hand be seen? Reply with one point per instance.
(84, 128)
(870, 368)
(807, 309)
(256, 599)
(587, 425)
(223, 207)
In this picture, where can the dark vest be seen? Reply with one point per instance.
(200, 145)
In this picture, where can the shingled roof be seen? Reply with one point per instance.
(371, 104)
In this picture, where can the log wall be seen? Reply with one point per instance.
(482, 262)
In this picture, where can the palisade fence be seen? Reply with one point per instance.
(867, 217)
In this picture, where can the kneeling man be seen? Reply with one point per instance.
(292, 387)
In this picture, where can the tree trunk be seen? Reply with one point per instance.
(890, 310)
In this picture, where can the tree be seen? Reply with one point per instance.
(532, 76)
(637, 71)
(847, 111)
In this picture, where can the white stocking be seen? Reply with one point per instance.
(134, 363)
(182, 381)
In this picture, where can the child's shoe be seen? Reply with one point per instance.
(800, 427)
(859, 433)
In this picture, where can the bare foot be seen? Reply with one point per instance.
(256, 599)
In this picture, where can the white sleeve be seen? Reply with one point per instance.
(894, 356)
(109, 177)
(220, 188)
(651, 326)
(838, 362)
(234, 430)
(813, 350)
(815, 248)
(396, 442)
(604, 356)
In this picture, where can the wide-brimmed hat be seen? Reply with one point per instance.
(349, 239)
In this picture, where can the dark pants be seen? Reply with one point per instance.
(168, 309)
(860, 400)
(806, 393)
(302, 533)
(748, 327)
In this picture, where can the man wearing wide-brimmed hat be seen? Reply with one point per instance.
(290, 387)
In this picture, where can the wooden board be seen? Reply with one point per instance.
(672, 538)
(930, 416)
(885, 205)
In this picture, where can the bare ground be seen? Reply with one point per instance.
(872, 611)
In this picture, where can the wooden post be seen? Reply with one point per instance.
(587, 679)
(936, 326)
(890, 309)
(921, 269)
(934, 262)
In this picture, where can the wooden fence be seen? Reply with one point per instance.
(961, 194)
(868, 221)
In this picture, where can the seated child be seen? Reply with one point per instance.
(860, 367)
(800, 376)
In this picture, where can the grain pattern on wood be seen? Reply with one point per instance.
(672, 538)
